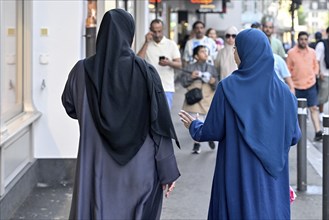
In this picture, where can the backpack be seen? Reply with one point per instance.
(326, 52)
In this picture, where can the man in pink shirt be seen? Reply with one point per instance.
(303, 66)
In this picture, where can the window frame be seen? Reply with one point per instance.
(10, 127)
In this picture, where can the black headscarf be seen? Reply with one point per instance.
(125, 93)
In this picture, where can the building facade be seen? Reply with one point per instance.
(40, 41)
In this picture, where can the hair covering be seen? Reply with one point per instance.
(318, 35)
(125, 94)
(231, 30)
(266, 110)
(225, 57)
(255, 25)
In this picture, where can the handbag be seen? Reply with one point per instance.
(193, 96)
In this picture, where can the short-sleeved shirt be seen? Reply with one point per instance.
(169, 49)
(192, 43)
(277, 47)
(303, 67)
(280, 67)
(319, 50)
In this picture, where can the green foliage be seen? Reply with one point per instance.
(301, 15)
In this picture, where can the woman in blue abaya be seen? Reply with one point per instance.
(253, 116)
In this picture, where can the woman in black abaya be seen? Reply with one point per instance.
(126, 156)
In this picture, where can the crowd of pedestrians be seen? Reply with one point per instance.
(241, 92)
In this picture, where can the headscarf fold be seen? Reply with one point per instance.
(266, 110)
(124, 93)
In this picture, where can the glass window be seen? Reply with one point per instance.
(11, 58)
(127, 5)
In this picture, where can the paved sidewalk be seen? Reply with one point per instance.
(190, 198)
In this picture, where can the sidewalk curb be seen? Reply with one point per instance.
(314, 157)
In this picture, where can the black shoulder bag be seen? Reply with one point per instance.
(193, 96)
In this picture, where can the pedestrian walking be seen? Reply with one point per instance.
(322, 56)
(126, 156)
(199, 39)
(318, 38)
(276, 44)
(164, 55)
(304, 68)
(203, 77)
(224, 61)
(211, 33)
(282, 71)
(280, 67)
(257, 25)
(253, 115)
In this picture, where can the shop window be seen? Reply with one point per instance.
(127, 5)
(11, 60)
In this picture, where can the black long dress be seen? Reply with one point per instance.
(103, 188)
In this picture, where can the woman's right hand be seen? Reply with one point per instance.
(186, 118)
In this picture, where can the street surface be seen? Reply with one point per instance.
(191, 196)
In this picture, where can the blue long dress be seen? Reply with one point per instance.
(242, 188)
(253, 116)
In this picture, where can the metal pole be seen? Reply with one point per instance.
(156, 9)
(301, 146)
(126, 4)
(325, 179)
(292, 24)
(91, 24)
(90, 41)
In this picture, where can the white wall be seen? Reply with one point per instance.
(223, 21)
(56, 135)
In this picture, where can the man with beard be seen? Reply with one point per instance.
(276, 44)
(199, 39)
(164, 55)
(303, 66)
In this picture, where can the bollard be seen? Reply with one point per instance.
(301, 146)
(325, 169)
(90, 41)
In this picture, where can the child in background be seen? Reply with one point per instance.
(204, 76)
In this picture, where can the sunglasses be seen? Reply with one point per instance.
(230, 35)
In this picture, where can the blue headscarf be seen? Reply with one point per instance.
(266, 110)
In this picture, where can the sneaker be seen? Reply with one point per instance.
(321, 116)
(318, 136)
(212, 145)
(196, 148)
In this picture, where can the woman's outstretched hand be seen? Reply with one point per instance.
(186, 118)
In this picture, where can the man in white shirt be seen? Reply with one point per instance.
(199, 39)
(323, 80)
(164, 55)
